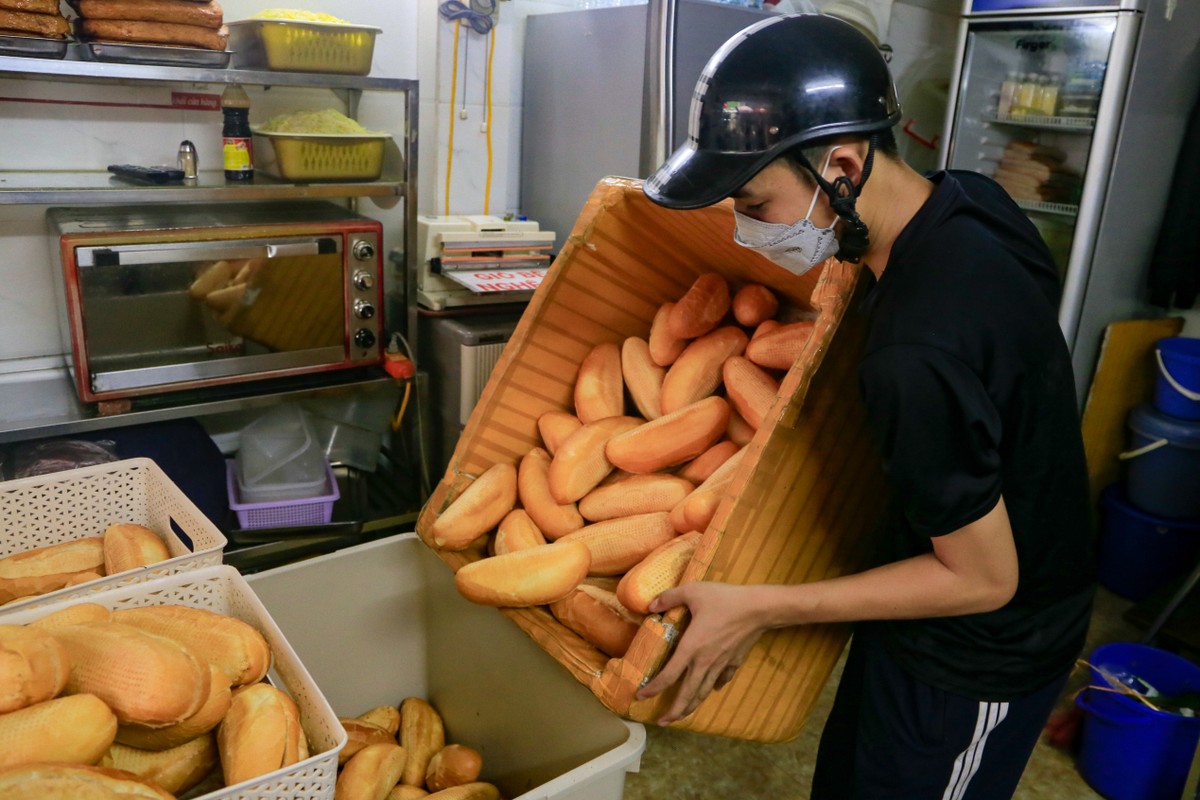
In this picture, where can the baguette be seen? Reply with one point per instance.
(234, 646)
(76, 729)
(402, 791)
(738, 430)
(699, 468)
(176, 770)
(49, 26)
(696, 374)
(765, 327)
(129, 546)
(556, 427)
(516, 532)
(643, 377)
(453, 765)
(34, 667)
(671, 439)
(73, 615)
(75, 782)
(599, 619)
(205, 15)
(701, 308)
(618, 544)
(422, 734)
(206, 719)
(386, 717)
(580, 464)
(477, 510)
(145, 678)
(599, 388)
(754, 304)
(48, 568)
(360, 734)
(479, 790)
(751, 391)
(260, 733)
(696, 510)
(31, 6)
(154, 33)
(532, 577)
(371, 772)
(664, 346)
(779, 347)
(552, 518)
(659, 571)
(638, 494)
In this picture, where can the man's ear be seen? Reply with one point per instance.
(849, 159)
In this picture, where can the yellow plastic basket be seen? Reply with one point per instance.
(293, 46)
(304, 157)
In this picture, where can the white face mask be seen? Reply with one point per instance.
(797, 247)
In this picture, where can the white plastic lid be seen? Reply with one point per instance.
(279, 452)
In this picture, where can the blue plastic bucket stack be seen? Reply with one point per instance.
(1129, 750)
(1150, 531)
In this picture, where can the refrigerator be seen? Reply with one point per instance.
(606, 91)
(1078, 108)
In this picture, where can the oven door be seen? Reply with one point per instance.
(176, 315)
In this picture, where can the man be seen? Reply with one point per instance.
(968, 632)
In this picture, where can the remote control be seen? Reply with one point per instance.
(146, 174)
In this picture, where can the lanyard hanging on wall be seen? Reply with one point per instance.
(479, 16)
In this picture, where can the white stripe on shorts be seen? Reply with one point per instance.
(965, 766)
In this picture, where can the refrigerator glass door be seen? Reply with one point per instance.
(1028, 97)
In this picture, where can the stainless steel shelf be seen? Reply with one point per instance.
(18, 188)
(71, 68)
(44, 403)
(1062, 124)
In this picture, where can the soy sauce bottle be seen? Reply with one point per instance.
(237, 146)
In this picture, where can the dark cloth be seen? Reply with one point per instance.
(968, 384)
(890, 736)
(1175, 268)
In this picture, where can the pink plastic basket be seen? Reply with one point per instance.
(282, 513)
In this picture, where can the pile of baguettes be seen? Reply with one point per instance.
(39, 18)
(612, 508)
(178, 23)
(123, 546)
(400, 753)
(138, 702)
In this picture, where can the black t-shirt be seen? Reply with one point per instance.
(968, 384)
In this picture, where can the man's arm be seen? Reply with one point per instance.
(972, 570)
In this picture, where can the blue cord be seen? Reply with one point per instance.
(480, 22)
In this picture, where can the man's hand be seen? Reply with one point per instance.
(725, 624)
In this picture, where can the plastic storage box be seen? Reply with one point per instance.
(297, 46)
(223, 590)
(283, 513)
(805, 501)
(391, 625)
(62, 506)
(306, 157)
(279, 458)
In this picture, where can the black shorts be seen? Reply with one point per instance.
(891, 737)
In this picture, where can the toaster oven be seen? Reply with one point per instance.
(157, 299)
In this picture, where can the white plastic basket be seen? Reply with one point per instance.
(62, 506)
(223, 590)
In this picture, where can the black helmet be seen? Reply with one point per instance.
(779, 83)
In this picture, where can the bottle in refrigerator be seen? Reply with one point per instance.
(1047, 100)
(1008, 90)
(1023, 99)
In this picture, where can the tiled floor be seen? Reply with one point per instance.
(685, 766)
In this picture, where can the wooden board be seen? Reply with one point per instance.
(1125, 376)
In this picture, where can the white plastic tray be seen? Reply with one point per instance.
(382, 621)
(61, 506)
(223, 590)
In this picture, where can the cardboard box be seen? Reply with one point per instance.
(382, 621)
(805, 501)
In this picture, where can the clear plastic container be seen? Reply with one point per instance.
(279, 458)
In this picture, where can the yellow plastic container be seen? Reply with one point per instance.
(305, 157)
(293, 46)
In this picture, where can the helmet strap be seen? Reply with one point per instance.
(842, 193)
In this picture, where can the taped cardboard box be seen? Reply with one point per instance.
(805, 501)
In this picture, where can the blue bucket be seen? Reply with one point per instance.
(1129, 751)
(1163, 464)
(1177, 391)
(1141, 553)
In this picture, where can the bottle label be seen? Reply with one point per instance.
(238, 154)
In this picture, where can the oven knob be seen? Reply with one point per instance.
(363, 309)
(364, 251)
(363, 280)
(364, 338)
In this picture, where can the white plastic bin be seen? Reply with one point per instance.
(382, 621)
